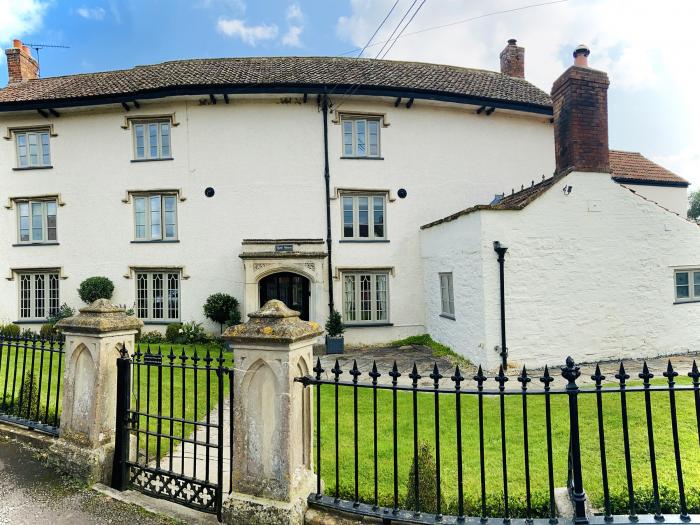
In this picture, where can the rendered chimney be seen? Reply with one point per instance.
(513, 59)
(580, 99)
(21, 66)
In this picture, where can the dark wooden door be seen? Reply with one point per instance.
(290, 288)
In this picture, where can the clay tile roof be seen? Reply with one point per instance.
(632, 167)
(514, 201)
(203, 76)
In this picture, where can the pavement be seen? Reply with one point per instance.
(34, 494)
(422, 356)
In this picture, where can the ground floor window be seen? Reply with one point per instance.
(158, 295)
(38, 295)
(447, 297)
(687, 285)
(365, 297)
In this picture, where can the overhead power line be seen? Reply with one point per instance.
(404, 29)
(463, 21)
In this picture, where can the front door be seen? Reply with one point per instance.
(290, 288)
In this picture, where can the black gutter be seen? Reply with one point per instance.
(327, 177)
(317, 89)
(647, 182)
(501, 251)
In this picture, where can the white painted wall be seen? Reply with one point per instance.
(264, 157)
(670, 197)
(588, 275)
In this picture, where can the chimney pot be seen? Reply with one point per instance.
(17, 43)
(581, 55)
(513, 59)
(580, 100)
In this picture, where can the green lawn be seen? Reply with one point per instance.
(515, 457)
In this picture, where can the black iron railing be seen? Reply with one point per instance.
(31, 371)
(453, 450)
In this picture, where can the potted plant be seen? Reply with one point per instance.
(335, 342)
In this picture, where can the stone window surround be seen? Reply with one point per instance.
(13, 272)
(369, 194)
(357, 323)
(146, 118)
(10, 130)
(132, 270)
(11, 134)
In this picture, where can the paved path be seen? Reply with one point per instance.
(424, 360)
(36, 495)
(195, 458)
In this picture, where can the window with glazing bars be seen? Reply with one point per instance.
(36, 221)
(158, 296)
(38, 295)
(152, 140)
(687, 285)
(155, 217)
(447, 298)
(360, 137)
(364, 217)
(33, 149)
(365, 297)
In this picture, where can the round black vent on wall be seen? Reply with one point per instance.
(402, 193)
(209, 192)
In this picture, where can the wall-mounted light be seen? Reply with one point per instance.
(567, 190)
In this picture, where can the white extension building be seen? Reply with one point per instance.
(301, 178)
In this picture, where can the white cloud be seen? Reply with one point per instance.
(647, 48)
(251, 35)
(20, 18)
(294, 13)
(92, 13)
(295, 19)
(292, 37)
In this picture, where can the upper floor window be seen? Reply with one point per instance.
(36, 221)
(687, 285)
(155, 217)
(151, 139)
(365, 297)
(38, 295)
(360, 137)
(447, 296)
(33, 148)
(158, 295)
(364, 217)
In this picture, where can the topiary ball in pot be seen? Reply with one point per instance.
(94, 288)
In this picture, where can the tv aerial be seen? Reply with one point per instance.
(37, 47)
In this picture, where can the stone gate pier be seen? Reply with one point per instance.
(94, 339)
(272, 425)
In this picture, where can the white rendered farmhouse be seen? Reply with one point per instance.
(300, 178)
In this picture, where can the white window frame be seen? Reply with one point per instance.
(349, 126)
(33, 306)
(148, 217)
(447, 296)
(43, 148)
(355, 316)
(149, 311)
(355, 197)
(693, 283)
(30, 203)
(145, 125)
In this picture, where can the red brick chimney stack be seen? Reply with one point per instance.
(580, 98)
(21, 66)
(513, 59)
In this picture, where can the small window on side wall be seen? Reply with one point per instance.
(151, 139)
(687, 284)
(361, 137)
(33, 148)
(447, 297)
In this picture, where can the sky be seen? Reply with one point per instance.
(648, 48)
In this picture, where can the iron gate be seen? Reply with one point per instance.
(174, 415)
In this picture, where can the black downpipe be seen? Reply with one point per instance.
(501, 251)
(327, 176)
